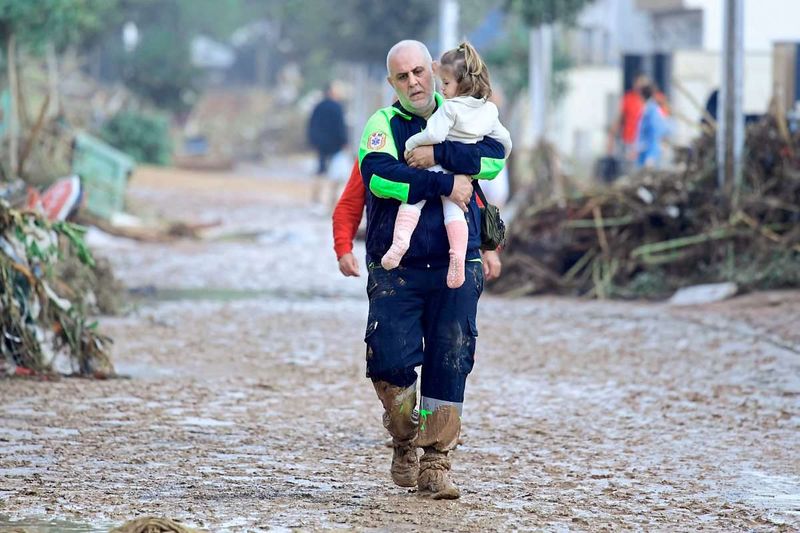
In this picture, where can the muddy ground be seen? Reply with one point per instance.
(247, 407)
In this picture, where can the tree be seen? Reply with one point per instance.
(26, 23)
(538, 12)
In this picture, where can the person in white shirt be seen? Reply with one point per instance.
(465, 116)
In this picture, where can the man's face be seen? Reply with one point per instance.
(411, 77)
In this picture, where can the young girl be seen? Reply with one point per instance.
(465, 116)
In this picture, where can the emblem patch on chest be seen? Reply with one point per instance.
(377, 140)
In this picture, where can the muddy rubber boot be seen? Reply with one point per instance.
(434, 476)
(401, 419)
(438, 435)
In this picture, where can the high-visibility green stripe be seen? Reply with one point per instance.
(383, 188)
(490, 168)
(378, 129)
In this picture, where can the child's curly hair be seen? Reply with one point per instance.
(469, 70)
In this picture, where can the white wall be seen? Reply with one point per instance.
(765, 21)
(628, 28)
(579, 125)
(698, 72)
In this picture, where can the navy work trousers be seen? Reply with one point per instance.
(414, 319)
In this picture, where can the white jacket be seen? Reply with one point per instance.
(464, 119)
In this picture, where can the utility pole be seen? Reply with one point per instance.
(540, 59)
(730, 134)
(448, 25)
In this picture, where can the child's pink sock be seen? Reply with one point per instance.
(457, 234)
(404, 225)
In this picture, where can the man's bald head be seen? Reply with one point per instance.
(410, 68)
(405, 45)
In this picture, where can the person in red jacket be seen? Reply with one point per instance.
(347, 217)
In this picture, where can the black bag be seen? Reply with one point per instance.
(493, 229)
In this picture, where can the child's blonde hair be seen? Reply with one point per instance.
(469, 70)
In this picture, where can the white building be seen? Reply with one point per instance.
(690, 33)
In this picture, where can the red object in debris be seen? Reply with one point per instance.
(59, 200)
(22, 371)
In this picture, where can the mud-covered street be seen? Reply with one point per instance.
(247, 408)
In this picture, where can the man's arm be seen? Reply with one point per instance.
(492, 266)
(483, 160)
(348, 213)
(388, 177)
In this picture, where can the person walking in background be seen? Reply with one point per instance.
(327, 133)
(630, 112)
(652, 130)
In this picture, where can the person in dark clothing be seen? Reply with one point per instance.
(327, 132)
(414, 318)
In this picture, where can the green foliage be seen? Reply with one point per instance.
(35, 22)
(751, 270)
(144, 137)
(159, 68)
(508, 59)
(647, 284)
(364, 30)
(538, 12)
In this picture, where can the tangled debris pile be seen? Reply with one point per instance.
(151, 524)
(662, 230)
(43, 317)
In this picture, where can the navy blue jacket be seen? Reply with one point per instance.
(326, 128)
(390, 181)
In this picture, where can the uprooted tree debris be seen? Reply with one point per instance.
(658, 231)
(151, 524)
(43, 323)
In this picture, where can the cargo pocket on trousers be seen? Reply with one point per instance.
(372, 327)
(369, 339)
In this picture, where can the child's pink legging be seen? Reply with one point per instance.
(457, 235)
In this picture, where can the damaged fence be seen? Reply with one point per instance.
(44, 322)
(660, 230)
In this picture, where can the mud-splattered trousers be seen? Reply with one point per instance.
(414, 319)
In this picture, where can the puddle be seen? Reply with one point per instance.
(143, 370)
(205, 422)
(51, 526)
(152, 293)
(776, 493)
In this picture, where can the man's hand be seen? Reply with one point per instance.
(491, 264)
(420, 157)
(348, 265)
(462, 191)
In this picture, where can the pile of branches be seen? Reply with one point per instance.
(43, 319)
(658, 231)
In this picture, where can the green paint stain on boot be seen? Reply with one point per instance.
(424, 414)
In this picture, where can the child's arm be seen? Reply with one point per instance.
(436, 131)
